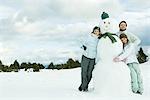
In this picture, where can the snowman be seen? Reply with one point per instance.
(110, 78)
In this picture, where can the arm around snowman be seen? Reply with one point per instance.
(125, 54)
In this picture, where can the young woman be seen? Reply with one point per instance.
(88, 58)
(129, 57)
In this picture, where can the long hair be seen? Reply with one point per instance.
(123, 36)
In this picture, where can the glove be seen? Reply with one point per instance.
(84, 47)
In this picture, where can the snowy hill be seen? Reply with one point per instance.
(57, 84)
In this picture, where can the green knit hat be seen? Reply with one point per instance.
(104, 15)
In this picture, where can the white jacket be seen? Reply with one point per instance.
(129, 54)
(132, 38)
(91, 46)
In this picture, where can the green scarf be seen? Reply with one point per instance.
(110, 35)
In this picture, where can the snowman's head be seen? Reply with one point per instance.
(107, 24)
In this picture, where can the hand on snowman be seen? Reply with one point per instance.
(116, 59)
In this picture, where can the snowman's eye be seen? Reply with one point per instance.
(104, 22)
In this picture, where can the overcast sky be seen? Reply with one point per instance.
(52, 30)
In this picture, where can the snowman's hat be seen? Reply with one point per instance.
(104, 16)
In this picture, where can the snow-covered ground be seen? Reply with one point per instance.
(58, 84)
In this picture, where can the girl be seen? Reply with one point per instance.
(129, 57)
(88, 58)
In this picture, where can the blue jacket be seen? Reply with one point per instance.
(90, 46)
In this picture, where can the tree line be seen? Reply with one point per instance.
(15, 67)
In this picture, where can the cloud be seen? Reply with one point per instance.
(66, 9)
(85, 9)
(65, 17)
(6, 11)
(37, 30)
(135, 5)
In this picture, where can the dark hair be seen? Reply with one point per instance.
(123, 36)
(122, 22)
(96, 28)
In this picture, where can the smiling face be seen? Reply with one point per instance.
(124, 40)
(122, 26)
(96, 32)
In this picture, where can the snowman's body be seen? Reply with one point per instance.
(110, 78)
